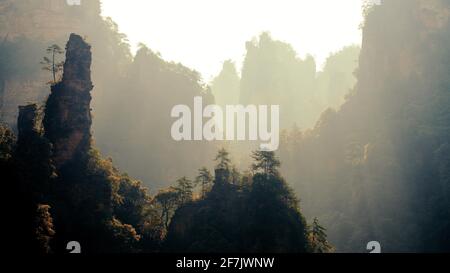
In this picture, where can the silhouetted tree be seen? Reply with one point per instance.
(223, 159)
(205, 179)
(263, 218)
(7, 141)
(167, 201)
(266, 163)
(51, 64)
(185, 189)
(43, 228)
(318, 238)
(235, 176)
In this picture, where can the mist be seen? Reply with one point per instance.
(364, 118)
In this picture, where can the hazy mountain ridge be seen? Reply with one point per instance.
(376, 168)
(66, 192)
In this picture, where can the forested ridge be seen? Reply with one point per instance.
(378, 167)
(74, 194)
(364, 151)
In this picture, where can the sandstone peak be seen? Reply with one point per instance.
(68, 120)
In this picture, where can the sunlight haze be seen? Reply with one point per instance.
(201, 34)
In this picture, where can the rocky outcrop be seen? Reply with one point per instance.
(68, 118)
(253, 219)
(366, 169)
(64, 190)
(27, 121)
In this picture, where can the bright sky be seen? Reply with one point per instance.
(201, 34)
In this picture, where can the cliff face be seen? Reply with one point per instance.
(27, 121)
(68, 119)
(370, 169)
(393, 46)
(62, 183)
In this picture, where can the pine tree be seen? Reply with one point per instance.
(185, 189)
(318, 238)
(52, 64)
(205, 179)
(167, 202)
(223, 159)
(266, 162)
(235, 176)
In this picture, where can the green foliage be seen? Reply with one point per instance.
(185, 190)
(167, 202)
(318, 238)
(263, 217)
(43, 228)
(205, 180)
(235, 176)
(141, 143)
(108, 212)
(105, 210)
(265, 163)
(7, 142)
(223, 159)
(132, 203)
(125, 237)
(375, 168)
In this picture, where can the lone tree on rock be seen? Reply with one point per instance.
(51, 64)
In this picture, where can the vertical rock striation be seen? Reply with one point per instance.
(68, 120)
